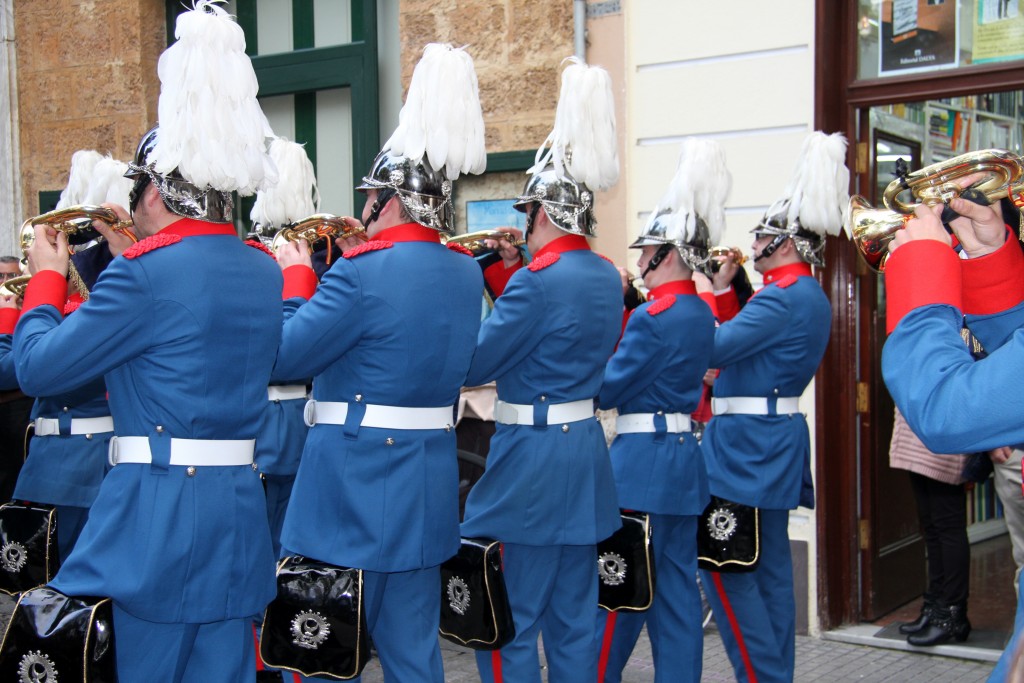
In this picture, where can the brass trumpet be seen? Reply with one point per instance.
(15, 286)
(475, 241)
(737, 256)
(319, 230)
(872, 229)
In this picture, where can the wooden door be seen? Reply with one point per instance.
(892, 548)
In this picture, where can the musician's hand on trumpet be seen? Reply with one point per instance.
(49, 251)
(726, 271)
(509, 253)
(8, 301)
(980, 227)
(350, 240)
(294, 254)
(117, 239)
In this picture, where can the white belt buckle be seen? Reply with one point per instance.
(112, 451)
(309, 413)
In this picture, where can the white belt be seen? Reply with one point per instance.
(633, 423)
(286, 392)
(46, 426)
(522, 413)
(753, 405)
(196, 452)
(381, 417)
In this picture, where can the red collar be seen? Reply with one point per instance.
(188, 227)
(795, 269)
(408, 232)
(563, 244)
(673, 287)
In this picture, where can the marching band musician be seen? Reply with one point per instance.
(931, 290)
(548, 493)
(377, 486)
(655, 379)
(15, 406)
(67, 454)
(185, 327)
(757, 446)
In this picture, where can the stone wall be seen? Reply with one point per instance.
(517, 46)
(86, 80)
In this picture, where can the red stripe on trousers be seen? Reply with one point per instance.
(496, 666)
(256, 641)
(606, 645)
(717, 579)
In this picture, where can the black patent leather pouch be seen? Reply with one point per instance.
(316, 625)
(729, 537)
(474, 602)
(625, 569)
(28, 546)
(58, 638)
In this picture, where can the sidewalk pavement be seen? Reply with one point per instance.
(817, 661)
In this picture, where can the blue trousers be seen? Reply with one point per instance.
(403, 612)
(221, 651)
(756, 611)
(279, 491)
(552, 591)
(673, 620)
(70, 522)
(1012, 660)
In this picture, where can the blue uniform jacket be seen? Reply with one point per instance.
(551, 334)
(67, 469)
(8, 376)
(279, 445)
(772, 348)
(185, 327)
(395, 323)
(660, 366)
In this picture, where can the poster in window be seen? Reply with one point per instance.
(918, 35)
(491, 214)
(998, 31)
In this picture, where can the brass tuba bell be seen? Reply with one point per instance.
(872, 229)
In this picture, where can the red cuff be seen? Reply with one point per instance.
(728, 305)
(712, 302)
(8, 320)
(46, 287)
(921, 273)
(298, 281)
(995, 282)
(497, 276)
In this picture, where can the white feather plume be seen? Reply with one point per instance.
(583, 141)
(295, 196)
(83, 162)
(108, 183)
(700, 186)
(820, 189)
(442, 119)
(211, 126)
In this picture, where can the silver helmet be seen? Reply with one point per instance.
(663, 228)
(179, 195)
(809, 244)
(425, 193)
(568, 203)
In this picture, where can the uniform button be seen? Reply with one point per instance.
(775, 391)
(255, 467)
(661, 412)
(447, 428)
(88, 437)
(682, 440)
(159, 429)
(190, 471)
(542, 399)
(359, 398)
(65, 409)
(565, 428)
(389, 441)
(277, 400)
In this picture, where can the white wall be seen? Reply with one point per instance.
(741, 73)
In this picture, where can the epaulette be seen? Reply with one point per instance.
(372, 245)
(544, 260)
(786, 281)
(144, 246)
(72, 304)
(256, 244)
(662, 304)
(459, 249)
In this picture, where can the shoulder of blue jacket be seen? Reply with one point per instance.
(372, 245)
(544, 260)
(151, 243)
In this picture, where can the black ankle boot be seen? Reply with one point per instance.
(922, 620)
(947, 623)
